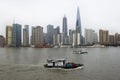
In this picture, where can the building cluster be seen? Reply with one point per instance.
(14, 36)
(17, 37)
(108, 40)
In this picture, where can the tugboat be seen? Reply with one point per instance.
(64, 65)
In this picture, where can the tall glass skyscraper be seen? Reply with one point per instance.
(79, 37)
(50, 32)
(64, 31)
(65, 26)
(16, 35)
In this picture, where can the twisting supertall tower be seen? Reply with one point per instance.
(78, 29)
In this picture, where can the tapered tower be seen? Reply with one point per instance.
(79, 39)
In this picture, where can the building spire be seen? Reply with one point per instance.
(78, 21)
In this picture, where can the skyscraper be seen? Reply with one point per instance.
(8, 35)
(65, 26)
(16, 35)
(111, 40)
(26, 35)
(79, 39)
(74, 43)
(103, 37)
(90, 37)
(39, 36)
(33, 36)
(64, 31)
(50, 31)
(70, 36)
(56, 35)
(45, 38)
(117, 39)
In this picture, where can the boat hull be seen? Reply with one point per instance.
(79, 52)
(63, 67)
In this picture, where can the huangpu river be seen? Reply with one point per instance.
(27, 64)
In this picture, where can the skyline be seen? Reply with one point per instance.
(100, 14)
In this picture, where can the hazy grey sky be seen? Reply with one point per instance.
(95, 14)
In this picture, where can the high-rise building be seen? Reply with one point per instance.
(111, 40)
(26, 35)
(50, 31)
(90, 37)
(117, 39)
(95, 39)
(39, 36)
(65, 26)
(70, 36)
(16, 35)
(78, 29)
(37, 39)
(8, 35)
(59, 39)
(33, 36)
(2, 41)
(45, 38)
(103, 37)
(64, 31)
(62, 39)
(57, 31)
(74, 38)
(56, 35)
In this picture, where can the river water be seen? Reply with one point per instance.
(27, 64)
